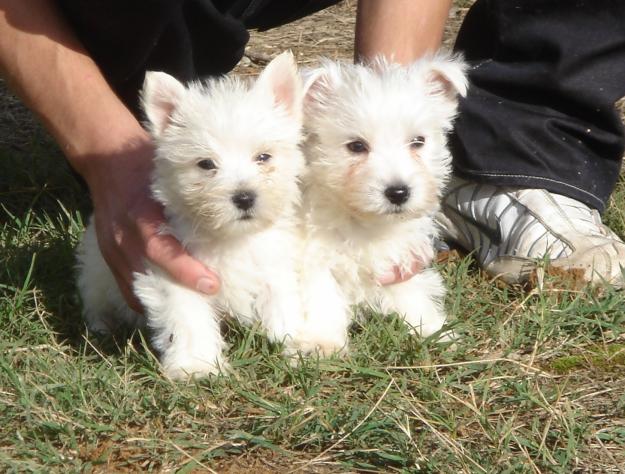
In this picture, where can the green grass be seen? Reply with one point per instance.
(536, 382)
(605, 358)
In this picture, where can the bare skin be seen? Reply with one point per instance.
(403, 30)
(51, 72)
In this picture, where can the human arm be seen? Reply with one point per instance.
(403, 30)
(50, 71)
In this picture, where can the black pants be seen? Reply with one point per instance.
(545, 76)
(188, 39)
(540, 111)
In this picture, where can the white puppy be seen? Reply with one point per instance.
(378, 162)
(226, 169)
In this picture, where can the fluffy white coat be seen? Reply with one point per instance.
(215, 141)
(375, 134)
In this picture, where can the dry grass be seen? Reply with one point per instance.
(536, 383)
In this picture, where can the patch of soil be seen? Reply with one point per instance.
(557, 278)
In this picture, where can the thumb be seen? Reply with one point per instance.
(167, 252)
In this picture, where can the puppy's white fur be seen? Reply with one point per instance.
(354, 233)
(231, 123)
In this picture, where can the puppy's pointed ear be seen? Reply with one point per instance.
(160, 96)
(280, 78)
(319, 84)
(447, 75)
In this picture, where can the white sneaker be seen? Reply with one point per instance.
(512, 228)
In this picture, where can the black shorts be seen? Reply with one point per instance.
(188, 39)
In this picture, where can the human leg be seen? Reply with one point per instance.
(538, 143)
(188, 39)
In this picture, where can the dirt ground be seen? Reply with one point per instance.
(329, 33)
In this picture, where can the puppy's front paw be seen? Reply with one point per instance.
(193, 366)
(447, 336)
(323, 344)
(429, 323)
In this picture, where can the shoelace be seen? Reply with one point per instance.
(507, 222)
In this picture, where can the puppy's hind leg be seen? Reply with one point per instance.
(104, 309)
(185, 327)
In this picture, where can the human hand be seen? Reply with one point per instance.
(50, 70)
(421, 260)
(128, 224)
(399, 274)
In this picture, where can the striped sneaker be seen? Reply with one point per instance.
(511, 229)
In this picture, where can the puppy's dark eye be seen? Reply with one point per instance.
(207, 164)
(417, 142)
(263, 157)
(357, 146)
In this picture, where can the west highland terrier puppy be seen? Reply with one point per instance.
(378, 162)
(226, 170)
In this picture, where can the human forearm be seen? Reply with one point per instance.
(400, 29)
(49, 69)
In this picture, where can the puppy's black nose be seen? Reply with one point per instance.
(244, 200)
(397, 194)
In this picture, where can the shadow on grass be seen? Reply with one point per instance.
(41, 204)
(48, 269)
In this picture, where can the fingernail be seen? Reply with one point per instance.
(207, 286)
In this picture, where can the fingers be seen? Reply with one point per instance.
(122, 274)
(130, 235)
(166, 252)
(126, 289)
(398, 274)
